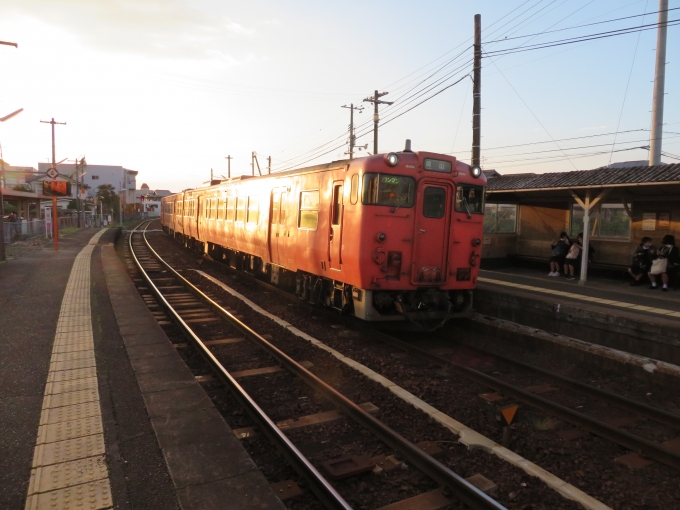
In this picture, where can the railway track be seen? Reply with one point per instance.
(212, 329)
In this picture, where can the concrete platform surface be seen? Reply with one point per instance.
(98, 409)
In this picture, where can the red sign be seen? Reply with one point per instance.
(57, 188)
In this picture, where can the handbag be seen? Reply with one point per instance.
(659, 266)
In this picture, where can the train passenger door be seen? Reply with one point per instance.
(431, 236)
(335, 234)
(274, 226)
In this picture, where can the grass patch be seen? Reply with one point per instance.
(68, 230)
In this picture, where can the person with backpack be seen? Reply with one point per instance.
(573, 259)
(666, 262)
(560, 247)
(642, 260)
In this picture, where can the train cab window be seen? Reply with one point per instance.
(240, 208)
(309, 210)
(392, 190)
(434, 202)
(470, 199)
(231, 205)
(253, 210)
(354, 190)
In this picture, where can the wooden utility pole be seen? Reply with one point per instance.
(477, 93)
(55, 227)
(659, 85)
(229, 158)
(269, 165)
(352, 138)
(376, 118)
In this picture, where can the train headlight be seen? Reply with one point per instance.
(392, 159)
(476, 171)
(380, 237)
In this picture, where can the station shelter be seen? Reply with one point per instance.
(613, 208)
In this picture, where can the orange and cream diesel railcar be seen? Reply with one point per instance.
(387, 237)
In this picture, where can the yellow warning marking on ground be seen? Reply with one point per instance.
(581, 297)
(69, 462)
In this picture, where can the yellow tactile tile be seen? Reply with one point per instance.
(74, 346)
(72, 356)
(68, 386)
(74, 412)
(71, 429)
(71, 365)
(71, 449)
(70, 398)
(69, 462)
(58, 476)
(87, 496)
(70, 375)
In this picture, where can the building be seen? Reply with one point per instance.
(148, 201)
(124, 181)
(19, 192)
(619, 205)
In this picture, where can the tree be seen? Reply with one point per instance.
(107, 196)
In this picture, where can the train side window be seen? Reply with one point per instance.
(337, 204)
(282, 215)
(253, 209)
(276, 207)
(434, 202)
(354, 190)
(231, 202)
(220, 208)
(240, 208)
(207, 208)
(213, 209)
(309, 210)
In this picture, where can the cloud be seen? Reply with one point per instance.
(162, 28)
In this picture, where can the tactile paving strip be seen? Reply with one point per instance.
(69, 461)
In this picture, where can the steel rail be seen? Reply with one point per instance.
(319, 485)
(461, 488)
(630, 441)
(640, 408)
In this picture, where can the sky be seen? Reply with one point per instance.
(171, 87)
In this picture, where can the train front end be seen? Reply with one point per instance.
(422, 217)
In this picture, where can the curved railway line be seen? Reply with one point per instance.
(196, 314)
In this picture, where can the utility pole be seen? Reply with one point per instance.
(352, 138)
(269, 165)
(254, 162)
(477, 93)
(229, 158)
(376, 118)
(55, 227)
(659, 82)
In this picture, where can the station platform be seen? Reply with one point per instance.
(603, 311)
(98, 409)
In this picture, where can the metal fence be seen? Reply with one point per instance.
(29, 229)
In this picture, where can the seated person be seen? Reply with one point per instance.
(560, 247)
(642, 260)
(666, 262)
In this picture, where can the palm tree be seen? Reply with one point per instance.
(106, 195)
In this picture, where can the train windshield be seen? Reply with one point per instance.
(392, 190)
(470, 199)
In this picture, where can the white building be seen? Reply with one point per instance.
(151, 205)
(124, 181)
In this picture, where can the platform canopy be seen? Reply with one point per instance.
(589, 189)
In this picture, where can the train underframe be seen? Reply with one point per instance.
(426, 308)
